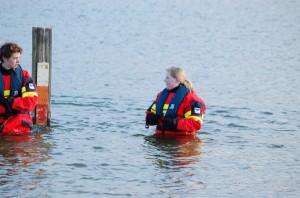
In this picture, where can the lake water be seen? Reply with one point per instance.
(109, 61)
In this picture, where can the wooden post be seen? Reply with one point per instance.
(41, 73)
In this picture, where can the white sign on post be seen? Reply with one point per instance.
(42, 74)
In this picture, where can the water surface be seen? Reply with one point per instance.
(109, 61)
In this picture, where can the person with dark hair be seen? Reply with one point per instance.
(18, 95)
(177, 110)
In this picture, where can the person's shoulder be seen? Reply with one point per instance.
(158, 94)
(26, 73)
(194, 96)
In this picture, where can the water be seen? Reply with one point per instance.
(109, 59)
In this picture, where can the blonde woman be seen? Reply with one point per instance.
(177, 110)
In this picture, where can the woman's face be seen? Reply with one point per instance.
(171, 82)
(13, 61)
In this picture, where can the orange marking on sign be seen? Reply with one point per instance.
(43, 95)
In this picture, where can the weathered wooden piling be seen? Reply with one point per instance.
(41, 73)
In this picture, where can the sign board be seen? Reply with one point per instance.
(43, 74)
(42, 107)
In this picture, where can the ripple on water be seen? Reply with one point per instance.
(234, 125)
(78, 165)
(276, 146)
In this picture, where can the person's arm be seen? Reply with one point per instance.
(194, 116)
(151, 117)
(29, 97)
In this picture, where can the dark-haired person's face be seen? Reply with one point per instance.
(13, 61)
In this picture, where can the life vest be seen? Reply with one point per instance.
(174, 104)
(16, 82)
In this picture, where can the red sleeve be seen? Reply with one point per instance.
(194, 112)
(29, 95)
(25, 104)
(151, 106)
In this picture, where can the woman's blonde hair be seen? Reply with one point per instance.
(179, 74)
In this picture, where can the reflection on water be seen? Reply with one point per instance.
(175, 150)
(178, 159)
(17, 154)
